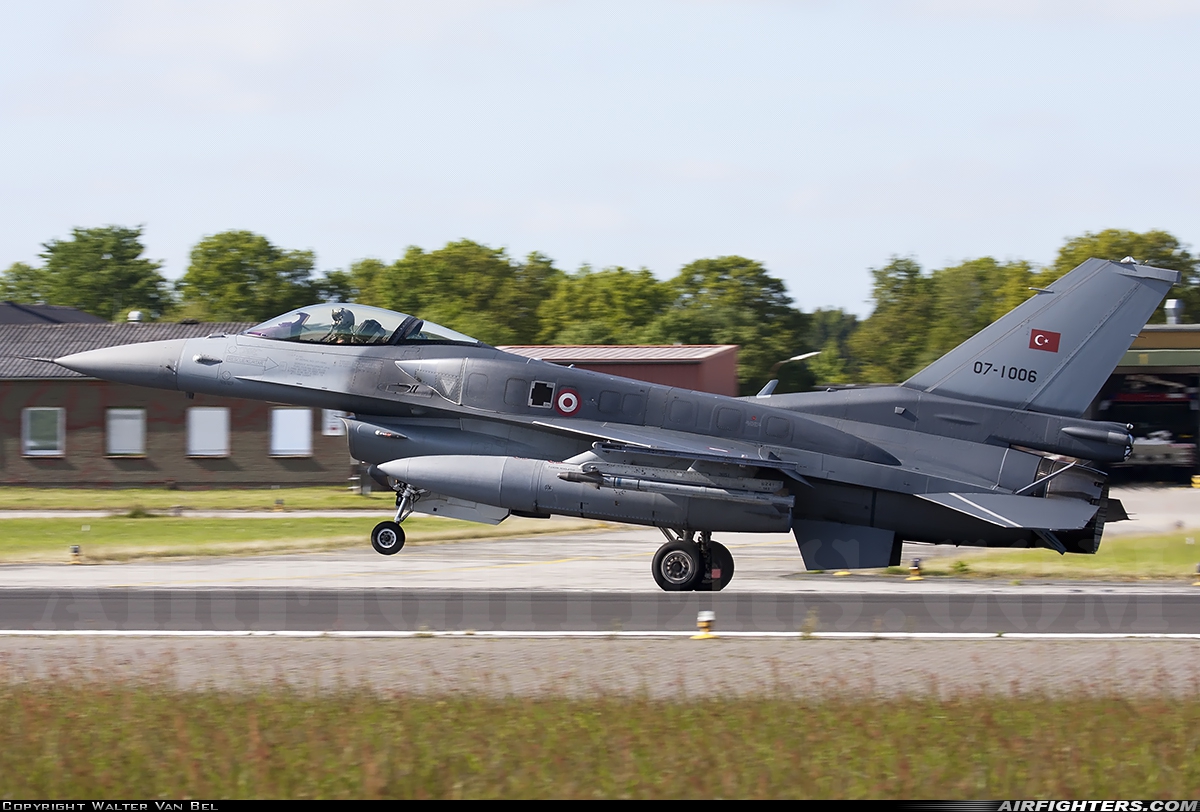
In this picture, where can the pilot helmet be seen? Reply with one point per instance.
(343, 316)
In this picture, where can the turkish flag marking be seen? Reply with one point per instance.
(1044, 340)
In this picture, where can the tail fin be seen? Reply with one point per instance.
(1054, 352)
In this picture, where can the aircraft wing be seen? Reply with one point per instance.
(675, 443)
(1010, 510)
(668, 442)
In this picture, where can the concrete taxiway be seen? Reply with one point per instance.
(382, 611)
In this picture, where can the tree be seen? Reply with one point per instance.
(612, 306)
(969, 297)
(482, 292)
(466, 286)
(733, 300)
(829, 330)
(98, 270)
(241, 276)
(891, 344)
(23, 283)
(1151, 248)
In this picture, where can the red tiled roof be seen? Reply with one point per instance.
(622, 353)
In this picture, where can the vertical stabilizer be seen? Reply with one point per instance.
(1054, 352)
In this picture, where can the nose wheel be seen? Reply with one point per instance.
(388, 537)
(685, 565)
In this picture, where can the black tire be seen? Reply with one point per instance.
(719, 572)
(677, 566)
(387, 538)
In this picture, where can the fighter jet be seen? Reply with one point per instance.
(985, 447)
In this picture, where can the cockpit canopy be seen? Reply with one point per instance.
(335, 323)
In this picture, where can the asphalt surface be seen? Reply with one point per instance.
(525, 611)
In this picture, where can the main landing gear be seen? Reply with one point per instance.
(686, 565)
(388, 537)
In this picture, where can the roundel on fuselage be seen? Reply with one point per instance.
(567, 402)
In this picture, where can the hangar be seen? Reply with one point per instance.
(1156, 389)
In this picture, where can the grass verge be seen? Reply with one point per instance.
(123, 500)
(1125, 558)
(89, 739)
(125, 539)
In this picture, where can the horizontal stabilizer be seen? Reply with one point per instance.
(1010, 510)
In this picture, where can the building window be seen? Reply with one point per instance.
(126, 435)
(43, 432)
(331, 423)
(291, 432)
(208, 431)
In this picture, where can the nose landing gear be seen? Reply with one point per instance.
(685, 565)
(388, 537)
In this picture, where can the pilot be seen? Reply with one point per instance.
(342, 330)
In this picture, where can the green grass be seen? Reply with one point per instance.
(125, 499)
(1132, 558)
(124, 539)
(91, 739)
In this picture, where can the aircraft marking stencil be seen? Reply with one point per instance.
(984, 447)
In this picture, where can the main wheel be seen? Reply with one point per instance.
(387, 538)
(677, 566)
(720, 569)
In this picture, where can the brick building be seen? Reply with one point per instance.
(58, 427)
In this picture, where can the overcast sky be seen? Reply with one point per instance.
(820, 138)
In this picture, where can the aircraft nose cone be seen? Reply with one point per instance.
(152, 363)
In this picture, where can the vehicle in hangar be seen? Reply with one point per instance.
(984, 447)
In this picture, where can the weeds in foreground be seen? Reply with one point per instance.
(98, 740)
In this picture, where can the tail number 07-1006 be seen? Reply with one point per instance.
(1012, 373)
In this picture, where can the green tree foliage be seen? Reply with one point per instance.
(1156, 248)
(968, 297)
(612, 306)
(733, 300)
(22, 283)
(98, 270)
(466, 286)
(829, 331)
(891, 344)
(241, 276)
(918, 318)
(335, 286)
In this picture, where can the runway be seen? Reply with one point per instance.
(1058, 636)
(379, 610)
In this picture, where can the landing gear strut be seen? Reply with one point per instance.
(388, 537)
(686, 565)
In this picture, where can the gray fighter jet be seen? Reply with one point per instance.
(984, 447)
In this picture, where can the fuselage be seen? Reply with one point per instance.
(856, 455)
